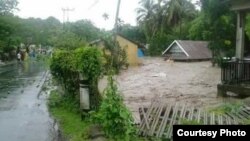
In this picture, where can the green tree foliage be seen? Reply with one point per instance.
(159, 43)
(115, 56)
(133, 32)
(164, 18)
(216, 23)
(84, 29)
(248, 26)
(47, 32)
(197, 30)
(146, 16)
(67, 65)
(179, 12)
(51, 32)
(38, 31)
(8, 27)
(66, 40)
(7, 6)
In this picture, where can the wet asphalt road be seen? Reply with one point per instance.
(23, 113)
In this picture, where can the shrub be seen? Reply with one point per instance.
(113, 115)
(67, 65)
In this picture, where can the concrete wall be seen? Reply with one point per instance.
(131, 50)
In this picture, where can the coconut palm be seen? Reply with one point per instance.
(146, 10)
(146, 17)
(105, 16)
(158, 16)
(178, 11)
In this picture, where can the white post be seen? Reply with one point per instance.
(84, 97)
(240, 37)
(240, 42)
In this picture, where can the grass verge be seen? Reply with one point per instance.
(71, 125)
(227, 108)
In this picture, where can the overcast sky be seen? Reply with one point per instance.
(83, 9)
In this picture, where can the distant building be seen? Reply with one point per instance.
(184, 50)
(133, 50)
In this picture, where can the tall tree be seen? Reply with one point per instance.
(8, 25)
(145, 17)
(105, 16)
(7, 6)
(163, 19)
(179, 11)
(84, 29)
(133, 32)
(216, 24)
(158, 17)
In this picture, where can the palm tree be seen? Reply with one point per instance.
(179, 10)
(173, 12)
(145, 11)
(105, 16)
(146, 16)
(157, 16)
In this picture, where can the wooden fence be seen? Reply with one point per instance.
(158, 119)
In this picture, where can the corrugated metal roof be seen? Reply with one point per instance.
(193, 49)
(196, 49)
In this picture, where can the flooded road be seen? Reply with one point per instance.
(23, 112)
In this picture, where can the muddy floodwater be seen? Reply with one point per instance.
(23, 112)
(190, 83)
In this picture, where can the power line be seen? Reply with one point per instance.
(95, 3)
(66, 13)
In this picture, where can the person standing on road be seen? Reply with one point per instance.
(18, 56)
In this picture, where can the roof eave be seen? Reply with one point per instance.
(176, 41)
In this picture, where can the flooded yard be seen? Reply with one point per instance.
(191, 83)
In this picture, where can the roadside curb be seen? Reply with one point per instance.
(42, 81)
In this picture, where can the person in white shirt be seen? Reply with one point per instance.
(18, 56)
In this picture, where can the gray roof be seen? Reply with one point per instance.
(240, 5)
(193, 49)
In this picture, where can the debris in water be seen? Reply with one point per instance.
(160, 75)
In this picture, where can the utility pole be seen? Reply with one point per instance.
(117, 16)
(116, 20)
(66, 13)
(116, 31)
